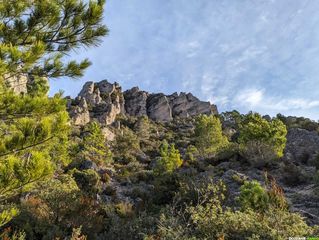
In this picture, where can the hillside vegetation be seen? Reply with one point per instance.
(133, 165)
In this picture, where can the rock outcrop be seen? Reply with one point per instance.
(80, 112)
(302, 146)
(158, 108)
(18, 83)
(103, 101)
(185, 105)
(135, 102)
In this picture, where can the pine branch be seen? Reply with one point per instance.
(27, 147)
(17, 188)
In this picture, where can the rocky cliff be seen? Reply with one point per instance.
(103, 101)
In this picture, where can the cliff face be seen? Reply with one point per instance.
(103, 101)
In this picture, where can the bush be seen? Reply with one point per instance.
(56, 209)
(258, 154)
(88, 180)
(191, 154)
(94, 147)
(294, 175)
(126, 146)
(165, 188)
(254, 196)
(169, 160)
(258, 130)
(209, 138)
(124, 210)
(208, 218)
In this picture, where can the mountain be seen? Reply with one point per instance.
(104, 101)
(139, 158)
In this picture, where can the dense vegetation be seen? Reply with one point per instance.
(153, 181)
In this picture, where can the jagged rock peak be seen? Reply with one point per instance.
(104, 101)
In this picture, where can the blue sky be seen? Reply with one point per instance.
(260, 55)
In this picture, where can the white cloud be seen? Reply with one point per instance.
(254, 99)
(248, 55)
(220, 101)
(250, 97)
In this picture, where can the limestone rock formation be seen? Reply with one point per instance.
(20, 83)
(17, 83)
(80, 112)
(185, 105)
(158, 108)
(135, 102)
(104, 101)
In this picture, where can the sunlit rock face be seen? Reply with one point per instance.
(101, 101)
(18, 83)
(104, 101)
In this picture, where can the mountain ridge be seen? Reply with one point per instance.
(104, 101)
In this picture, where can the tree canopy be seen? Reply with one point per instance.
(209, 137)
(255, 128)
(35, 36)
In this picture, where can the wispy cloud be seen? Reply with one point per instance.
(248, 55)
(251, 99)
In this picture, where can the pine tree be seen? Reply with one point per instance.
(34, 38)
(169, 160)
(209, 137)
(254, 128)
(94, 146)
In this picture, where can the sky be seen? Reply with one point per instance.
(259, 55)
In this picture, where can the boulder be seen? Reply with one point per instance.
(302, 146)
(88, 164)
(80, 113)
(108, 134)
(135, 102)
(185, 105)
(158, 108)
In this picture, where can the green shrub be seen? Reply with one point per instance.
(94, 147)
(254, 196)
(124, 210)
(126, 146)
(165, 188)
(258, 154)
(169, 160)
(209, 138)
(208, 218)
(256, 129)
(191, 154)
(88, 180)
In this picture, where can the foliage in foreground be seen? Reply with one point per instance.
(34, 38)
(208, 218)
(43, 196)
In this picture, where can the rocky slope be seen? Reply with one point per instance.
(104, 101)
